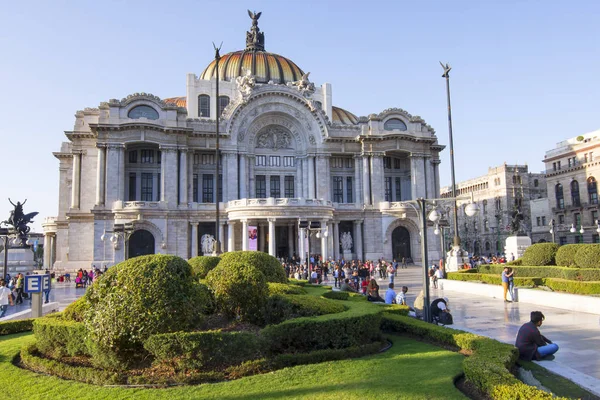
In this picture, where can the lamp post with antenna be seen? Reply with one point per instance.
(217, 248)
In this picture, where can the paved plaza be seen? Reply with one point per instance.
(62, 293)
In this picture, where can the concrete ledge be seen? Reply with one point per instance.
(564, 301)
(46, 309)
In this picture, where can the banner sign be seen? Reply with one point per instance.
(252, 238)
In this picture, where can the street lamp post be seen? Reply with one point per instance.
(217, 250)
(310, 227)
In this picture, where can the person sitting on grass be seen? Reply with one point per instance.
(401, 297)
(373, 291)
(390, 295)
(531, 343)
(346, 286)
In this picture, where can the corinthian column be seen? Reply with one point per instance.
(183, 177)
(100, 176)
(76, 180)
(311, 177)
(194, 239)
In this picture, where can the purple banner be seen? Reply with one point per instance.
(252, 238)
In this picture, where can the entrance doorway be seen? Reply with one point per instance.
(141, 243)
(401, 244)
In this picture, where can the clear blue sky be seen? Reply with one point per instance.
(525, 73)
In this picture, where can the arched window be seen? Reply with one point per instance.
(536, 183)
(394, 124)
(143, 112)
(575, 194)
(487, 246)
(223, 102)
(485, 206)
(498, 204)
(204, 106)
(560, 200)
(592, 190)
(486, 226)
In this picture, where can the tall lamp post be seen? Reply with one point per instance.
(217, 249)
(452, 262)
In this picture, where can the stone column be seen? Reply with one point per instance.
(322, 177)
(231, 236)
(305, 177)
(231, 178)
(290, 240)
(76, 180)
(245, 235)
(358, 185)
(417, 176)
(169, 170)
(298, 183)
(358, 245)
(262, 240)
(112, 171)
(194, 239)
(324, 254)
(243, 177)
(377, 179)
(311, 177)
(46, 251)
(223, 170)
(100, 176)
(436, 177)
(52, 250)
(272, 241)
(183, 177)
(330, 248)
(121, 194)
(366, 179)
(163, 174)
(190, 176)
(222, 237)
(336, 240)
(251, 178)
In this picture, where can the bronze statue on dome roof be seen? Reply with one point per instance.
(255, 39)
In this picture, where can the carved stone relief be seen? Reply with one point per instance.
(274, 137)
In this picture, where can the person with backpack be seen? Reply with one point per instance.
(440, 312)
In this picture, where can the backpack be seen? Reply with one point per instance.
(446, 318)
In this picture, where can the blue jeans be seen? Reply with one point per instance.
(3, 310)
(547, 349)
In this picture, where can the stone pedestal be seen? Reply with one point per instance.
(516, 245)
(455, 259)
(347, 255)
(20, 259)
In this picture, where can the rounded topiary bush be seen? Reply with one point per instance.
(268, 265)
(540, 254)
(135, 299)
(202, 265)
(565, 256)
(588, 256)
(77, 309)
(240, 290)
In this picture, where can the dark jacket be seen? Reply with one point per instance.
(529, 339)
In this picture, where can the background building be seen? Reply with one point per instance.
(147, 165)
(497, 194)
(572, 170)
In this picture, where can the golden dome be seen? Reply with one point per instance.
(178, 101)
(264, 66)
(341, 116)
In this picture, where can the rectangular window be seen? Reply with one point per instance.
(158, 188)
(274, 161)
(398, 189)
(595, 238)
(196, 158)
(562, 240)
(387, 162)
(158, 157)
(336, 162)
(591, 156)
(261, 161)
(289, 187)
(388, 189)
(338, 189)
(195, 188)
(207, 188)
(577, 220)
(147, 156)
(539, 221)
(147, 186)
(543, 221)
(204, 106)
(132, 184)
(396, 163)
(561, 219)
(261, 187)
(554, 166)
(133, 157)
(220, 194)
(595, 216)
(275, 189)
(558, 164)
(208, 159)
(349, 190)
(348, 162)
(223, 102)
(585, 157)
(288, 161)
(570, 162)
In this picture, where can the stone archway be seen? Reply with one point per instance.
(401, 243)
(140, 243)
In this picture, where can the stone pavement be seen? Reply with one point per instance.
(577, 334)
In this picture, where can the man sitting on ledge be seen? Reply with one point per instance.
(346, 287)
(531, 343)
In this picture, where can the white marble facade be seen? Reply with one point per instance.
(287, 154)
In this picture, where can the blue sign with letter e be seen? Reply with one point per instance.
(33, 284)
(46, 282)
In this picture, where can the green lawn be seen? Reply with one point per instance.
(409, 370)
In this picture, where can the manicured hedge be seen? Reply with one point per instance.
(562, 285)
(57, 337)
(208, 349)
(565, 256)
(540, 254)
(281, 307)
(202, 265)
(285, 288)
(579, 274)
(489, 365)
(588, 256)
(336, 295)
(268, 265)
(20, 325)
(77, 309)
(333, 331)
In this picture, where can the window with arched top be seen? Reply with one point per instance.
(223, 102)
(393, 124)
(143, 112)
(560, 200)
(486, 225)
(204, 106)
(485, 206)
(575, 199)
(592, 190)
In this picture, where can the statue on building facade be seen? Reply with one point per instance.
(255, 39)
(208, 243)
(245, 83)
(19, 220)
(346, 240)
